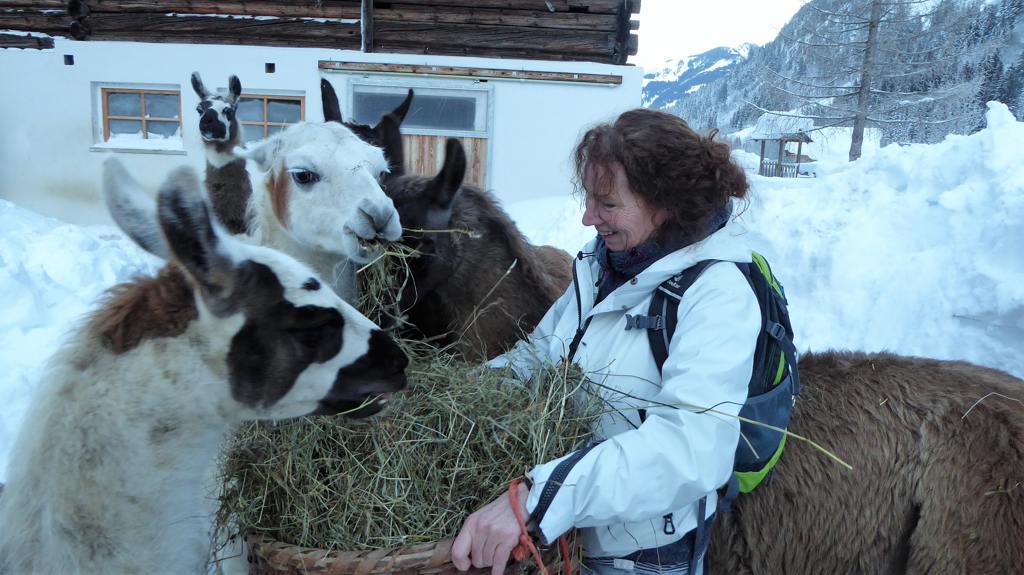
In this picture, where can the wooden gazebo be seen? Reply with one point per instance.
(774, 132)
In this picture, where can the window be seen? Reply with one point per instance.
(262, 116)
(139, 114)
(434, 110)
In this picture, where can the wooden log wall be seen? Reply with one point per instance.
(590, 30)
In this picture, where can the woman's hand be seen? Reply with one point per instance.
(488, 536)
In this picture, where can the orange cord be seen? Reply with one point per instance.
(526, 546)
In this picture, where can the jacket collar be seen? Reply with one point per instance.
(727, 244)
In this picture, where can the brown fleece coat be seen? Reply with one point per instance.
(937, 484)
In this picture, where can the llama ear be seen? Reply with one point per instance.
(403, 108)
(262, 152)
(234, 88)
(448, 181)
(389, 134)
(132, 209)
(332, 109)
(197, 85)
(191, 234)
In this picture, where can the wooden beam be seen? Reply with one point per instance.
(495, 17)
(347, 10)
(366, 25)
(26, 41)
(467, 72)
(204, 30)
(581, 6)
(35, 5)
(782, 157)
(469, 37)
(53, 24)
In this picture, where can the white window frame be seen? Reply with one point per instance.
(169, 146)
(481, 91)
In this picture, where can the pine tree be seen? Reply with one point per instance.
(991, 71)
(1011, 92)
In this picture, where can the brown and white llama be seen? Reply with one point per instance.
(107, 472)
(937, 486)
(227, 182)
(459, 288)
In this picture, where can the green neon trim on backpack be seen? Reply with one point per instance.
(751, 479)
(775, 380)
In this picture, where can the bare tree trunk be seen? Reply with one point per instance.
(864, 93)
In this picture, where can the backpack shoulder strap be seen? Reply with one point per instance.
(665, 303)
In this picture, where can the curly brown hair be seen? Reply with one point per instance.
(667, 164)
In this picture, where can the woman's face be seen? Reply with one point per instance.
(619, 215)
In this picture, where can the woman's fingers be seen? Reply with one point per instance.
(501, 557)
(462, 545)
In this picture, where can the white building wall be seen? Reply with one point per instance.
(50, 161)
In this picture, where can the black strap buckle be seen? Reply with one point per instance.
(644, 322)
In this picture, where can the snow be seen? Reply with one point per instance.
(722, 63)
(914, 250)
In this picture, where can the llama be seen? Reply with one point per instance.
(317, 197)
(937, 486)
(227, 183)
(450, 292)
(107, 472)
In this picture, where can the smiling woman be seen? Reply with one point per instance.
(659, 196)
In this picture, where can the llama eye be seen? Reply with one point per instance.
(199, 109)
(228, 113)
(305, 177)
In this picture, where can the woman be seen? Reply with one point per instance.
(659, 196)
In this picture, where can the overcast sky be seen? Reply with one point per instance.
(672, 29)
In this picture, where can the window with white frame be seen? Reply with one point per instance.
(435, 110)
(133, 115)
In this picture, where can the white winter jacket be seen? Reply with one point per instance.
(621, 491)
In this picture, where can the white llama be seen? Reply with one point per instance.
(107, 472)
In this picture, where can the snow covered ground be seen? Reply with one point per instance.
(915, 250)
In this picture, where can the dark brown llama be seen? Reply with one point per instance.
(459, 289)
(937, 487)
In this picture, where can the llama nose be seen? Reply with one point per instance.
(380, 220)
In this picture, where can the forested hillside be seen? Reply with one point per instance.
(916, 69)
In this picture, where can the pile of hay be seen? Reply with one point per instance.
(448, 444)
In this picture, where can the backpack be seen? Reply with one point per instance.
(774, 383)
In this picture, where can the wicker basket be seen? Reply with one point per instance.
(268, 556)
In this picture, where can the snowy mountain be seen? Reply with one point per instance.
(666, 86)
(935, 65)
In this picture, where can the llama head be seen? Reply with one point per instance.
(217, 120)
(386, 134)
(322, 188)
(425, 203)
(290, 345)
